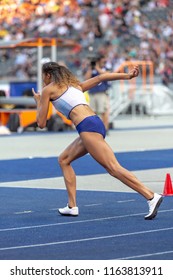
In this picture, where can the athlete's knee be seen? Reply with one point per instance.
(63, 160)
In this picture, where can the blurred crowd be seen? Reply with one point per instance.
(119, 29)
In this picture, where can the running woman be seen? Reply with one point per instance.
(66, 93)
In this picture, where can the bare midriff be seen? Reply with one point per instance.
(80, 112)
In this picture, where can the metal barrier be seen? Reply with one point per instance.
(40, 43)
(28, 116)
(131, 92)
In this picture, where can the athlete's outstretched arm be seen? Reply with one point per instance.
(86, 85)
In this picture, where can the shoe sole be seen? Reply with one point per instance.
(72, 215)
(154, 214)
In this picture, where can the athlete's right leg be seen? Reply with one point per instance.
(103, 154)
(75, 150)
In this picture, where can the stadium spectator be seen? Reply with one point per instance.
(140, 29)
(98, 95)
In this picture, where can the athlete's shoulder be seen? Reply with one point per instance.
(76, 87)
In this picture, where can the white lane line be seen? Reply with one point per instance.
(23, 212)
(78, 221)
(146, 255)
(73, 222)
(124, 201)
(85, 239)
(94, 204)
(87, 205)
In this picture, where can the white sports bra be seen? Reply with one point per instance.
(71, 98)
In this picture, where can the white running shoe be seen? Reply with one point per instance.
(153, 206)
(67, 211)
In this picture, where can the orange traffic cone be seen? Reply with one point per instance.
(168, 190)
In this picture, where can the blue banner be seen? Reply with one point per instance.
(22, 88)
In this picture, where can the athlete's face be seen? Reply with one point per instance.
(46, 79)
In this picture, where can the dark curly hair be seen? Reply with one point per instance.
(60, 74)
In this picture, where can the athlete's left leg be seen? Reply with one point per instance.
(75, 150)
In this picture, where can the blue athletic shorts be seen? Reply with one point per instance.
(92, 124)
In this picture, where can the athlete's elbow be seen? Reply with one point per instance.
(41, 124)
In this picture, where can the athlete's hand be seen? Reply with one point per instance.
(134, 72)
(36, 95)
